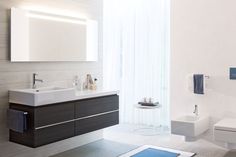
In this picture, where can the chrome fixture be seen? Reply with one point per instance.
(195, 110)
(35, 80)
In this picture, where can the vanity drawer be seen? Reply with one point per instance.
(51, 114)
(98, 105)
(54, 133)
(95, 123)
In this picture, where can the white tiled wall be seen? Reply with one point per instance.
(19, 75)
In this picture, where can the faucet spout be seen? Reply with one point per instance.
(35, 80)
(195, 110)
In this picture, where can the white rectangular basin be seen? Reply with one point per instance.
(190, 126)
(41, 96)
(46, 89)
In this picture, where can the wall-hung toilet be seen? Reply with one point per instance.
(225, 131)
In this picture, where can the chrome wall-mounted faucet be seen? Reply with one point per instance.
(195, 110)
(35, 80)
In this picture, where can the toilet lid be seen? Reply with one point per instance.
(227, 124)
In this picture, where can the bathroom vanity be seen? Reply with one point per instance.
(50, 120)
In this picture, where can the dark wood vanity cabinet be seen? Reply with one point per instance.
(54, 122)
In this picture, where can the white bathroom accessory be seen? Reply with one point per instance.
(77, 83)
(225, 131)
(190, 126)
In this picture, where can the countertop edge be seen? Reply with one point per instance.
(78, 96)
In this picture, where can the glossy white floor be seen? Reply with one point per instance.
(203, 148)
(124, 134)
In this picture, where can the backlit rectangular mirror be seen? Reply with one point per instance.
(38, 37)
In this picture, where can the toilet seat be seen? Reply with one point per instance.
(227, 124)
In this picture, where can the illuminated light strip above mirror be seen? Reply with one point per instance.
(56, 18)
(54, 11)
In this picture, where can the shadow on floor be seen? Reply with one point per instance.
(230, 154)
(101, 148)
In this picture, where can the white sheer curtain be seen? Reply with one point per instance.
(136, 56)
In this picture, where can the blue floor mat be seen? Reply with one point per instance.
(151, 152)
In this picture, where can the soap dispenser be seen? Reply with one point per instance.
(77, 83)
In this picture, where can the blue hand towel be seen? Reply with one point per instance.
(151, 152)
(16, 120)
(198, 81)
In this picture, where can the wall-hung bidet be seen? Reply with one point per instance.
(190, 126)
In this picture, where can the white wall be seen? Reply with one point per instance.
(203, 40)
(19, 75)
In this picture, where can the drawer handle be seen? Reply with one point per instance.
(50, 125)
